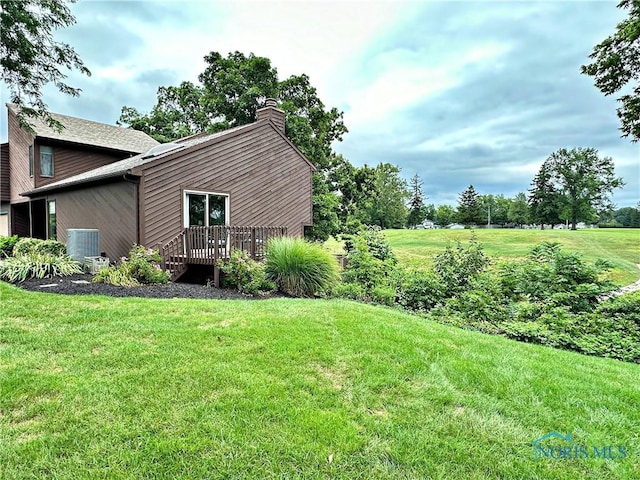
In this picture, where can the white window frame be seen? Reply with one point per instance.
(185, 206)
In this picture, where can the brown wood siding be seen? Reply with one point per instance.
(18, 159)
(110, 208)
(69, 161)
(5, 186)
(268, 182)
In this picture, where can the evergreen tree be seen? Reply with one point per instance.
(469, 209)
(417, 211)
(545, 202)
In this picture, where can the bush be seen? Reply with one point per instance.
(611, 330)
(556, 278)
(300, 268)
(142, 266)
(6, 245)
(420, 291)
(37, 265)
(384, 295)
(458, 267)
(370, 261)
(353, 291)
(117, 275)
(246, 275)
(481, 307)
(27, 246)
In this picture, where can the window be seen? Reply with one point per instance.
(31, 160)
(205, 209)
(51, 219)
(46, 161)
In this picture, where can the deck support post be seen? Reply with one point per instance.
(216, 276)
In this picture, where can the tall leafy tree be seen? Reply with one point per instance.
(229, 92)
(417, 211)
(357, 189)
(445, 215)
(628, 216)
(388, 209)
(616, 65)
(469, 211)
(500, 213)
(584, 180)
(30, 58)
(519, 209)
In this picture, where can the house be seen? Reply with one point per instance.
(248, 175)
(34, 160)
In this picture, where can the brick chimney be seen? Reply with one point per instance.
(273, 113)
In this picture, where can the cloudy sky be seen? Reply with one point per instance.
(459, 92)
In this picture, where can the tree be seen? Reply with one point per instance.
(487, 205)
(325, 212)
(30, 58)
(445, 214)
(616, 64)
(388, 209)
(628, 217)
(357, 189)
(584, 180)
(417, 211)
(229, 93)
(469, 211)
(519, 210)
(500, 213)
(545, 201)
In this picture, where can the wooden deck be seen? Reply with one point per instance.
(213, 245)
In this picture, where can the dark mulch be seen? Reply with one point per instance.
(66, 286)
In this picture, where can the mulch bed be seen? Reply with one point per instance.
(69, 286)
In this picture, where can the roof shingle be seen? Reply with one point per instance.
(86, 132)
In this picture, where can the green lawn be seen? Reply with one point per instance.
(96, 387)
(620, 246)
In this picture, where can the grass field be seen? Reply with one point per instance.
(620, 246)
(96, 387)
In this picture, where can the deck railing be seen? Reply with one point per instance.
(208, 245)
(212, 245)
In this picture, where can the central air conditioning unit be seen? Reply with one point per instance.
(83, 242)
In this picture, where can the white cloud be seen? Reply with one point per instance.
(407, 78)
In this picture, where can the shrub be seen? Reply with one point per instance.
(611, 330)
(354, 291)
(6, 245)
(27, 246)
(142, 266)
(246, 275)
(370, 261)
(300, 268)
(37, 265)
(375, 241)
(384, 295)
(458, 267)
(420, 291)
(556, 278)
(117, 275)
(480, 307)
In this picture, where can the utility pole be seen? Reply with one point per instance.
(489, 217)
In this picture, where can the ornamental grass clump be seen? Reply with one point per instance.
(33, 258)
(300, 268)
